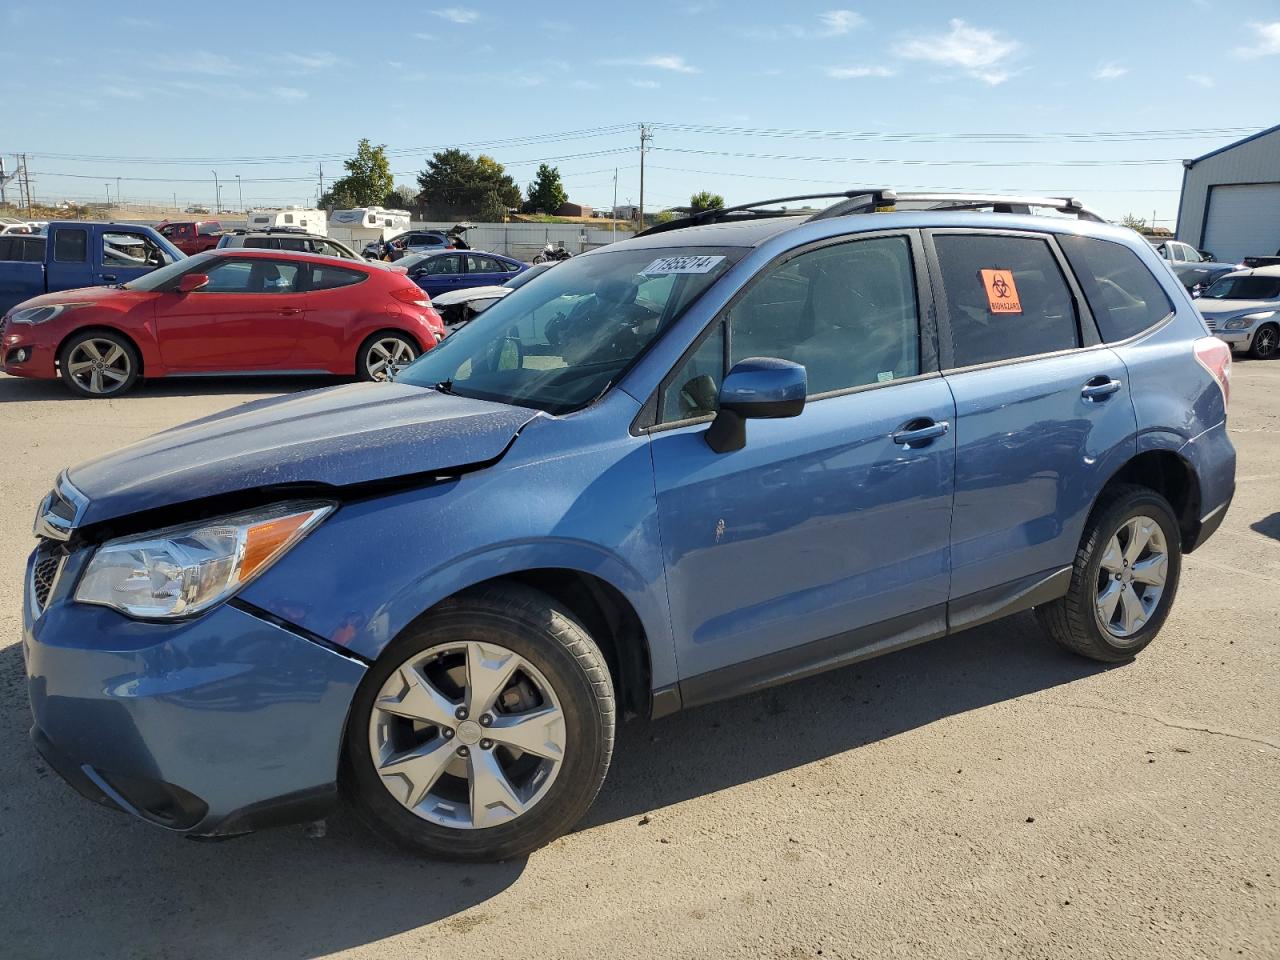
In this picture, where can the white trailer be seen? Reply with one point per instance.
(294, 218)
(364, 225)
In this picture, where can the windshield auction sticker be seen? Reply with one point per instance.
(665, 265)
(1002, 292)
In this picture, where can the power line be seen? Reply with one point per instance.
(909, 186)
(1097, 136)
(739, 154)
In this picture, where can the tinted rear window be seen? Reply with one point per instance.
(1125, 298)
(1006, 298)
(1245, 288)
(327, 278)
(70, 246)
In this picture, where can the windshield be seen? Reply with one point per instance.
(561, 340)
(159, 277)
(1244, 288)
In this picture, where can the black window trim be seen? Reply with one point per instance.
(1158, 325)
(1086, 327)
(647, 420)
(83, 231)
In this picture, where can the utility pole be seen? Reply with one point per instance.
(240, 190)
(108, 186)
(117, 190)
(321, 182)
(613, 214)
(217, 193)
(3, 181)
(645, 137)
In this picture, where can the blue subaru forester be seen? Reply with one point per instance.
(736, 450)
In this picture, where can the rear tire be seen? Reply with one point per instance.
(1265, 342)
(1114, 606)
(384, 354)
(534, 796)
(99, 364)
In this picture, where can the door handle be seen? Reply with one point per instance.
(1099, 388)
(109, 276)
(920, 431)
(290, 311)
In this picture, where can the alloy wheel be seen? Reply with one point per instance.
(99, 366)
(387, 355)
(1131, 577)
(1264, 344)
(467, 735)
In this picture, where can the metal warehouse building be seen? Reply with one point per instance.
(1230, 202)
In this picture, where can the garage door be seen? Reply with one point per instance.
(1244, 220)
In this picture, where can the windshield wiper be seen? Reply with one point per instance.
(445, 386)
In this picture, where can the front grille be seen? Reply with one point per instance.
(44, 576)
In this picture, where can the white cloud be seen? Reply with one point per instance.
(856, 73)
(1199, 79)
(982, 54)
(658, 62)
(121, 93)
(1110, 71)
(645, 84)
(288, 93)
(202, 62)
(457, 15)
(836, 23)
(138, 23)
(1268, 41)
(424, 36)
(321, 60)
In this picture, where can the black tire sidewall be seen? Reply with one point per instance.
(1275, 332)
(362, 356)
(120, 341)
(1145, 503)
(588, 736)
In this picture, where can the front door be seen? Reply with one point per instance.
(1043, 412)
(248, 317)
(828, 534)
(440, 273)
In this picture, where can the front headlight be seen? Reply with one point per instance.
(183, 570)
(34, 315)
(1248, 320)
(1254, 317)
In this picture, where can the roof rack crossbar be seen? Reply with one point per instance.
(999, 203)
(752, 211)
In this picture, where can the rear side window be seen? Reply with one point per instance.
(33, 250)
(70, 246)
(1006, 298)
(329, 278)
(1125, 298)
(8, 249)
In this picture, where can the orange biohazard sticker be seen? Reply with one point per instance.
(1002, 292)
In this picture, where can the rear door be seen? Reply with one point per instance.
(485, 271)
(441, 273)
(21, 269)
(68, 264)
(828, 533)
(248, 317)
(1043, 411)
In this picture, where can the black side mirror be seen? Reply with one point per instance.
(757, 388)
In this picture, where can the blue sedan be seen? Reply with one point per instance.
(438, 273)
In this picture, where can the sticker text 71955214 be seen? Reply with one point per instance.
(665, 265)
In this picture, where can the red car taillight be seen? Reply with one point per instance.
(1215, 356)
(413, 295)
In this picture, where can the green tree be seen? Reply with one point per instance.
(665, 216)
(456, 184)
(1132, 222)
(399, 198)
(705, 200)
(546, 193)
(368, 179)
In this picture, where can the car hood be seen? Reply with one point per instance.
(94, 295)
(1229, 308)
(334, 437)
(454, 297)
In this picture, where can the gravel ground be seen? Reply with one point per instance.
(985, 795)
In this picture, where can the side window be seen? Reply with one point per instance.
(483, 265)
(695, 388)
(330, 249)
(120, 249)
(847, 313)
(252, 276)
(33, 250)
(443, 265)
(1125, 298)
(8, 248)
(1006, 298)
(330, 278)
(70, 246)
(209, 228)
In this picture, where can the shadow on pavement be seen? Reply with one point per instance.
(1268, 526)
(280, 895)
(22, 390)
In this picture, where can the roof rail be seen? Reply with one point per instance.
(752, 211)
(889, 200)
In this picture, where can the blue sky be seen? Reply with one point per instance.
(749, 99)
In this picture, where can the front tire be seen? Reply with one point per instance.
(1265, 342)
(1124, 578)
(98, 364)
(484, 731)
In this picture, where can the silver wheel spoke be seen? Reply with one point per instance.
(420, 700)
(1111, 560)
(1132, 613)
(489, 670)
(421, 767)
(1107, 601)
(1153, 571)
(91, 348)
(77, 367)
(1139, 536)
(116, 376)
(114, 354)
(377, 367)
(95, 381)
(540, 732)
(380, 351)
(493, 799)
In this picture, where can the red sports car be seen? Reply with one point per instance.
(225, 311)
